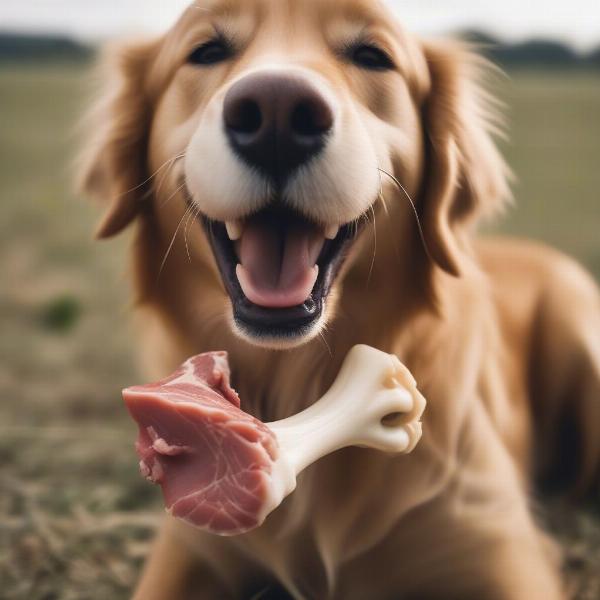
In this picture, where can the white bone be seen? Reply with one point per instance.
(373, 403)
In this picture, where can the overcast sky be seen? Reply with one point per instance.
(574, 21)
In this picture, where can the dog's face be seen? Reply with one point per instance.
(277, 121)
(289, 111)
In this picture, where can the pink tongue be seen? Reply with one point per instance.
(278, 267)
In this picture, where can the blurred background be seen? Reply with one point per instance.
(75, 519)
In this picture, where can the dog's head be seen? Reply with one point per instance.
(282, 129)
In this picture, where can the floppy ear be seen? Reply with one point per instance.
(113, 165)
(465, 177)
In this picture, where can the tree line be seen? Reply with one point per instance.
(538, 53)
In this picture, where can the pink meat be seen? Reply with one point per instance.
(212, 460)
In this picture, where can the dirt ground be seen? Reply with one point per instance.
(75, 518)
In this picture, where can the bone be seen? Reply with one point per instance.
(373, 403)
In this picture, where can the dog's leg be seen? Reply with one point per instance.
(451, 549)
(565, 378)
(476, 540)
(173, 572)
(491, 555)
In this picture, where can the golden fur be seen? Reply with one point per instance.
(501, 335)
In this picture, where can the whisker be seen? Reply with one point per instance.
(185, 230)
(170, 161)
(166, 173)
(380, 195)
(196, 214)
(164, 260)
(326, 344)
(374, 247)
(414, 209)
(177, 190)
(384, 204)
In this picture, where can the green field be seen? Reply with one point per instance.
(554, 150)
(74, 517)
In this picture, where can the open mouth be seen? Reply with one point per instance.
(278, 268)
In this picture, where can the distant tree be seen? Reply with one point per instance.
(540, 53)
(593, 58)
(479, 38)
(27, 47)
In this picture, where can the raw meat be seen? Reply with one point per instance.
(224, 471)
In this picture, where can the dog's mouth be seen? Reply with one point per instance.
(278, 268)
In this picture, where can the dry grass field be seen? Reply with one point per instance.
(75, 518)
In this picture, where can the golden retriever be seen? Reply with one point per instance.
(306, 176)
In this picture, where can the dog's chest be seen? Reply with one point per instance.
(344, 509)
(345, 505)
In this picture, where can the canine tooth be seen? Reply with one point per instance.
(234, 230)
(331, 231)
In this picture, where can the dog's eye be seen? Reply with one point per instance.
(370, 57)
(210, 53)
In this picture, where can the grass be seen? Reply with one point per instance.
(75, 519)
(65, 445)
(554, 150)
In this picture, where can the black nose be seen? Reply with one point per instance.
(276, 123)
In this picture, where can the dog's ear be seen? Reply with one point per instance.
(113, 164)
(465, 177)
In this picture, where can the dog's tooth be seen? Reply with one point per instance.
(234, 230)
(331, 232)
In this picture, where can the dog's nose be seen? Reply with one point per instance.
(276, 123)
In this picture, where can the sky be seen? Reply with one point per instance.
(574, 21)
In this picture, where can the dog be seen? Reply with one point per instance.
(305, 176)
